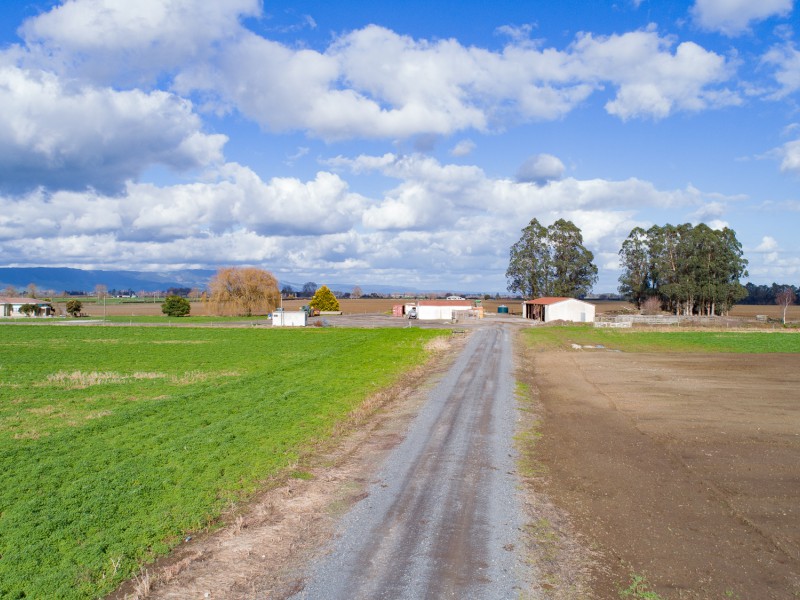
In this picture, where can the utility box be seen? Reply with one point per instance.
(289, 318)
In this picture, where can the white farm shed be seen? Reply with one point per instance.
(289, 318)
(558, 309)
(440, 310)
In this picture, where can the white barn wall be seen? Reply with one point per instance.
(438, 311)
(570, 310)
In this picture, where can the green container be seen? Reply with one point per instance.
(502, 310)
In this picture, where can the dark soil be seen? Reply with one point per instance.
(682, 469)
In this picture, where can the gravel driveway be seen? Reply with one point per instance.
(442, 518)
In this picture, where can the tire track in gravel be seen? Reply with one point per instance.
(443, 518)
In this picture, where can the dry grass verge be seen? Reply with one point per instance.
(558, 555)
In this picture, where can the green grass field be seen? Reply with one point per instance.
(638, 340)
(117, 442)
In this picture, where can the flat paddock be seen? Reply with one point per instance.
(683, 468)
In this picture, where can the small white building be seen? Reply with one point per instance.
(289, 318)
(558, 309)
(439, 310)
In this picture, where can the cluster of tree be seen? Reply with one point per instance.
(183, 292)
(31, 291)
(551, 261)
(243, 291)
(689, 269)
(766, 294)
(307, 291)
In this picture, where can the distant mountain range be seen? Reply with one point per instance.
(60, 279)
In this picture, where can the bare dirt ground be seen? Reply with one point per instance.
(684, 469)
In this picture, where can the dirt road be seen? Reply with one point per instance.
(442, 517)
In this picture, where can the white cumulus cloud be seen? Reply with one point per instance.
(768, 244)
(59, 135)
(652, 81)
(110, 40)
(785, 58)
(463, 148)
(375, 83)
(447, 221)
(733, 17)
(789, 154)
(540, 169)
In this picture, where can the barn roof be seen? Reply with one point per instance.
(445, 303)
(10, 300)
(547, 300)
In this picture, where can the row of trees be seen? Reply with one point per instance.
(683, 269)
(767, 294)
(249, 290)
(688, 269)
(307, 291)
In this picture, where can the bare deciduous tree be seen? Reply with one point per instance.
(784, 298)
(100, 291)
(651, 306)
(243, 291)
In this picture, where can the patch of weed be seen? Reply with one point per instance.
(639, 589)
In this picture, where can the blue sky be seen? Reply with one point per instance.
(392, 143)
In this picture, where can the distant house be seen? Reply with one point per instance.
(558, 309)
(10, 307)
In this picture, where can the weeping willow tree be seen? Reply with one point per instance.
(243, 291)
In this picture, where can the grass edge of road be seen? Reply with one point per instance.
(561, 564)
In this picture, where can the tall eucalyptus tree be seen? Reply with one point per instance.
(550, 261)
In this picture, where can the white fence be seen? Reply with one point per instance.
(629, 320)
(618, 324)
